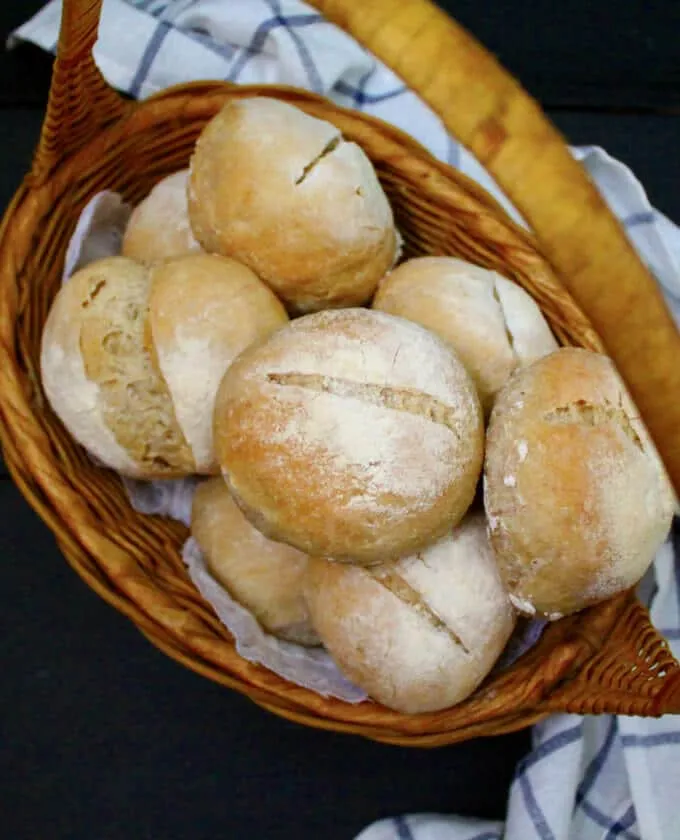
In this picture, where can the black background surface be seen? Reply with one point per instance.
(104, 738)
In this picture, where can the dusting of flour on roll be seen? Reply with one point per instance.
(576, 497)
(203, 311)
(491, 322)
(159, 226)
(286, 194)
(421, 633)
(351, 434)
(132, 356)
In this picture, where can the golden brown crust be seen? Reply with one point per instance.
(350, 434)
(576, 499)
(283, 193)
(465, 305)
(159, 226)
(264, 576)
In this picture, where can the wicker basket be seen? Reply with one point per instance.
(606, 659)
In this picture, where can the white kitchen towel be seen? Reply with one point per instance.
(593, 778)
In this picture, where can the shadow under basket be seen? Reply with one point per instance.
(607, 659)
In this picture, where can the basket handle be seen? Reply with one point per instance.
(80, 101)
(488, 111)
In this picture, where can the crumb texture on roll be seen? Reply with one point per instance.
(419, 634)
(265, 577)
(203, 311)
(351, 434)
(159, 226)
(491, 322)
(575, 493)
(99, 376)
(286, 194)
(132, 356)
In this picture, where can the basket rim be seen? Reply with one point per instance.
(59, 506)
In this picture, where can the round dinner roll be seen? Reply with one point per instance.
(286, 194)
(419, 634)
(159, 226)
(350, 434)
(492, 323)
(132, 356)
(575, 493)
(265, 577)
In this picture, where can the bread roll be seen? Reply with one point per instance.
(491, 322)
(350, 434)
(284, 193)
(265, 577)
(575, 494)
(203, 311)
(159, 226)
(132, 356)
(420, 634)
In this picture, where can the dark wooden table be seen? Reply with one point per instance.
(102, 736)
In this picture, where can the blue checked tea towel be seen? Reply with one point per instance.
(593, 778)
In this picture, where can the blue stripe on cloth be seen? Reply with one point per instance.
(179, 7)
(453, 151)
(550, 746)
(637, 219)
(313, 75)
(487, 835)
(622, 825)
(606, 822)
(157, 7)
(205, 39)
(597, 763)
(534, 810)
(358, 92)
(658, 739)
(151, 51)
(262, 33)
(402, 828)
(367, 98)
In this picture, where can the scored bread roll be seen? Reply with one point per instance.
(264, 576)
(159, 226)
(132, 356)
(419, 634)
(286, 194)
(492, 323)
(575, 493)
(351, 434)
